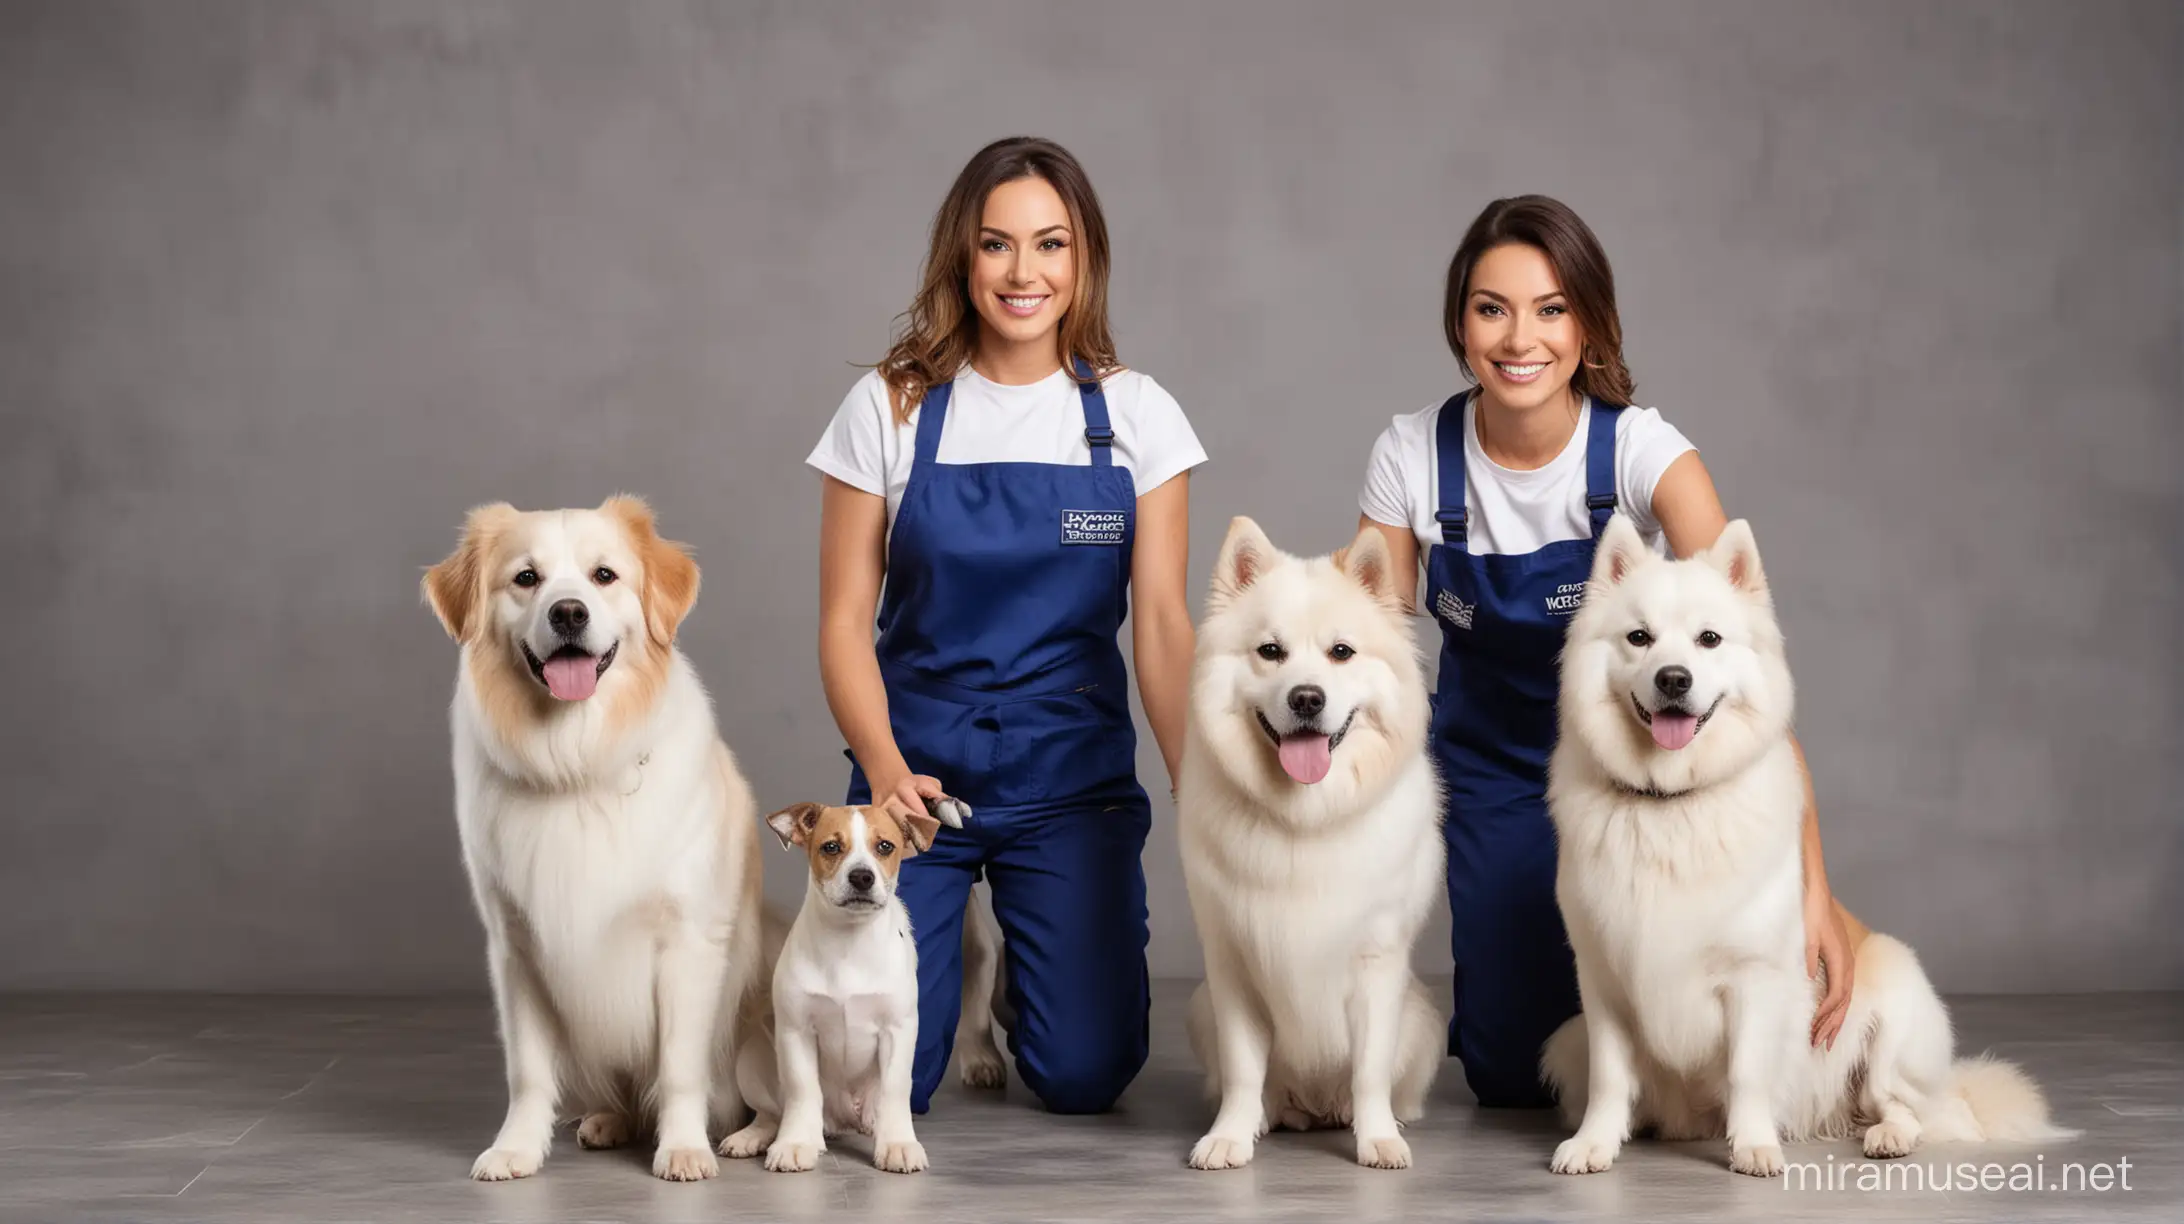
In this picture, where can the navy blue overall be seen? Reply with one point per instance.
(1502, 620)
(1006, 586)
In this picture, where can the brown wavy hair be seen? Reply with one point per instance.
(939, 333)
(1588, 284)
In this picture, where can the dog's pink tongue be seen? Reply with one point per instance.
(572, 677)
(1307, 758)
(1673, 731)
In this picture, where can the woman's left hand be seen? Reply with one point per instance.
(1827, 943)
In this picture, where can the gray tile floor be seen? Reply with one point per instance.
(324, 1109)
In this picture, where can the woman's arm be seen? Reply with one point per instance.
(1161, 635)
(1402, 558)
(852, 560)
(1691, 516)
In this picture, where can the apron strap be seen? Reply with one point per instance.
(1600, 498)
(1097, 433)
(1448, 460)
(932, 413)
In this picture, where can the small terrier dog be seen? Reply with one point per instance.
(845, 991)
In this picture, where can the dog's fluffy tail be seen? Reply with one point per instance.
(1993, 1099)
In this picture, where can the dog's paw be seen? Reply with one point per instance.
(1221, 1152)
(1890, 1139)
(982, 1067)
(684, 1164)
(1390, 1152)
(792, 1156)
(1579, 1154)
(748, 1142)
(501, 1164)
(1757, 1160)
(603, 1130)
(949, 811)
(907, 1156)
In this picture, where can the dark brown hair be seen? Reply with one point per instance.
(1588, 285)
(939, 333)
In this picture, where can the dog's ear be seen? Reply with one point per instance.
(1620, 552)
(1369, 563)
(1245, 555)
(1736, 554)
(918, 829)
(671, 576)
(794, 823)
(456, 587)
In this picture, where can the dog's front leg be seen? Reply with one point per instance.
(802, 1135)
(895, 1145)
(1242, 1047)
(1611, 1090)
(1376, 1009)
(1755, 1045)
(527, 1044)
(688, 989)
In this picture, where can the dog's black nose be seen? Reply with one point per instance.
(1307, 700)
(860, 878)
(568, 617)
(1673, 681)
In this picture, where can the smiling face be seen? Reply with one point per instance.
(1307, 679)
(1023, 274)
(1675, 674)
(1521, 338)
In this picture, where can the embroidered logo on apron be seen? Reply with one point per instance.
(1455, 611)
(1094, 526)
(1565, 600)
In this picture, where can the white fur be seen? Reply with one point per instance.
(611, 863)
(1309, 897)
(845, 996)
(1679, 881)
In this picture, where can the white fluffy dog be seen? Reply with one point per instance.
(1677, 801)
(1310, 824)
(610, 839)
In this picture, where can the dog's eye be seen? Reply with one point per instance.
(1639, 637)
(1342, 653)
(1709, 639)
(831, 849)
(1272, 652)
(885, 848)
(602, 575)
(527, 578)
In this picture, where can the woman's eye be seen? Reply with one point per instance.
(1489, 309)
(1554, 310)
(993, 244)
(1052, 244)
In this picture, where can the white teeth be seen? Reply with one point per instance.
(1521, 371)
(1024, 303)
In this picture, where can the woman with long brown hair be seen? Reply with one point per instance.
(1503, 490)
(1018, 490)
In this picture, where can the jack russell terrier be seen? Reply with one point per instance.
(845, 991)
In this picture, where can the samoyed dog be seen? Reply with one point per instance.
(1677, 800)
(1309, 817)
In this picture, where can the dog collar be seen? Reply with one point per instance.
(1649, 792)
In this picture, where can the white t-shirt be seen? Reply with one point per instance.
(990, 422)
(1514, 511)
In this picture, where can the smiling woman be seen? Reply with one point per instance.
(1019, 493)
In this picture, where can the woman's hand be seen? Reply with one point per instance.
(911, 790)
(1827, 943)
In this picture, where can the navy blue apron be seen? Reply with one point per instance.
(1502, 621)
(1006, 586)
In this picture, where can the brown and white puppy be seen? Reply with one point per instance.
(845, 992)
(606, 830)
